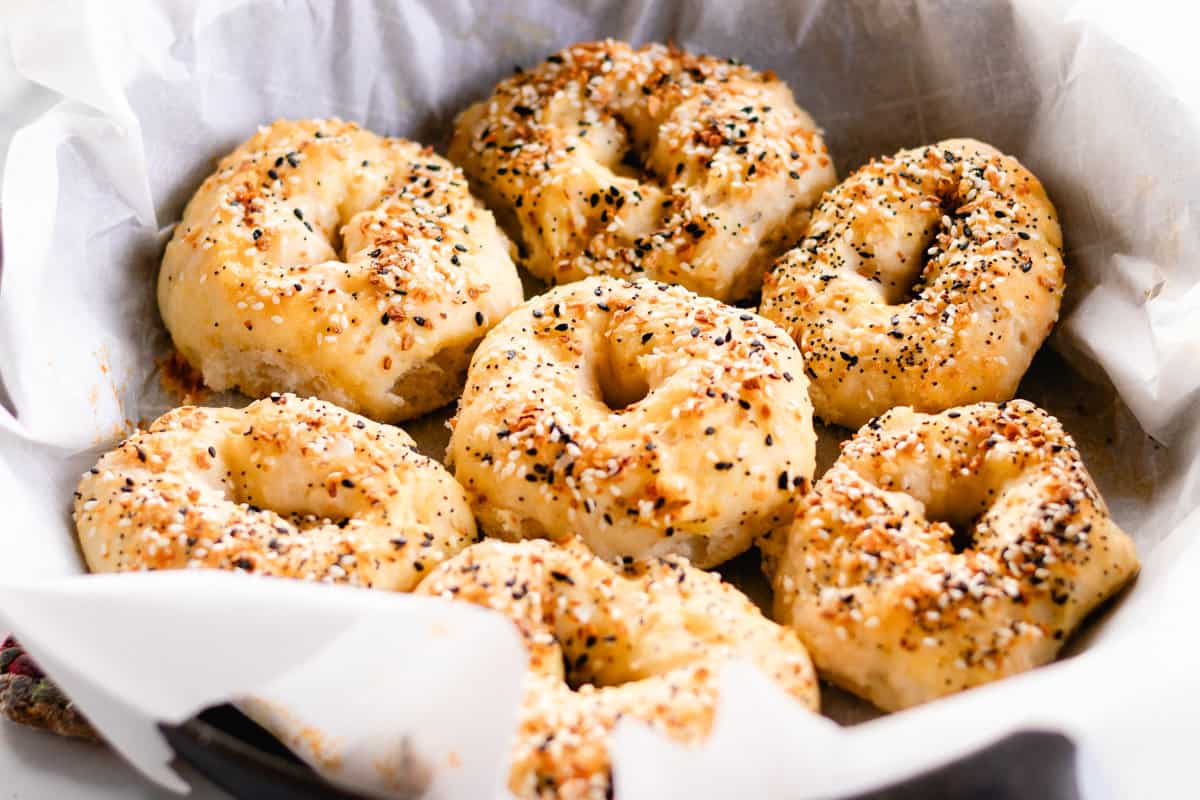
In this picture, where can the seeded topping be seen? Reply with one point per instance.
(323, 259)
(651, 161)
(606, 643)
(926, 279)
(287, 486)
(645, 418)
(945, 551)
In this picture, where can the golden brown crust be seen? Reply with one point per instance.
(645, 644)
(684, 168)
(640, 416)
(323, 259)
(974, 230)
(287, 486)
(874, 585)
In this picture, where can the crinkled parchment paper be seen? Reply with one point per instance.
(394, 694)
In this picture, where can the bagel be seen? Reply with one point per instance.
(290, 487)
(603, 645)
(640, 416)
(656, 162)
(891, 608)
(322, 259)
(976, 232)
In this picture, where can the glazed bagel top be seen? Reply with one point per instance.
(684, 168)
(892, 606)
(287, 486)
(926, 279)
(324, 259)
(645, 644)
(645, 418)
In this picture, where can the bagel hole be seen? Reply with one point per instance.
(907, 286)
(632, 160)
(575, 674)
(631, 165)
(963, 531)
(338, 242)
(621, 391)
(620, 382)
(578, 670)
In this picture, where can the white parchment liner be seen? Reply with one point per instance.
(393, 694)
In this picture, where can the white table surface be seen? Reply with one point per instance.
(35, 765)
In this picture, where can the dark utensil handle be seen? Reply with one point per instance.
(246, 761)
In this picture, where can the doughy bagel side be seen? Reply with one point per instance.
(640, 416)
(646, 644)
(683, 168)
(926, 279)
(290, 487)
(322, 259)
(891, 609)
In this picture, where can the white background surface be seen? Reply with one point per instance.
(39, 766)
(33, 765)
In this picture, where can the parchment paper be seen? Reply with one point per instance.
(397, 695)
